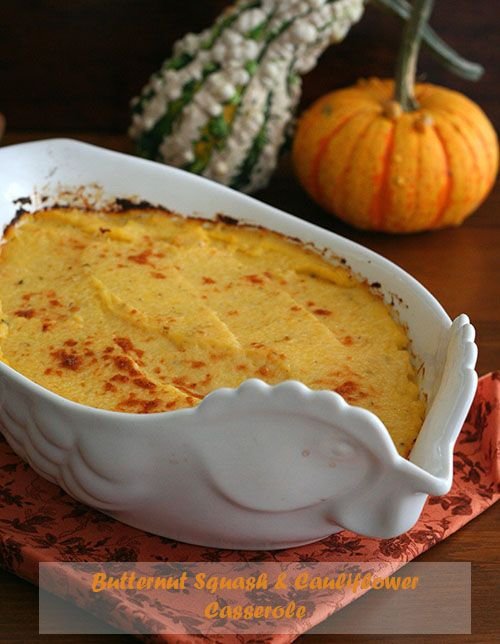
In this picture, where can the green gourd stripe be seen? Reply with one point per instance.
(217, 131)
(227, 21)
(258, 32)
(149, 141)
(247, 167)
(183, 59)
(180, 61)
(200, 163)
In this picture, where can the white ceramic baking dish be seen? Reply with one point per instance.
(256, 467)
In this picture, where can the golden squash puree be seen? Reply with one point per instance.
(145, 311)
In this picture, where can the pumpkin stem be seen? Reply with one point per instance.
(406, 68)
(448, 57)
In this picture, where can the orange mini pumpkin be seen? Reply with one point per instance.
(360, 156)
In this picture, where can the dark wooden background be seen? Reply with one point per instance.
(73, 65)
(70, 67)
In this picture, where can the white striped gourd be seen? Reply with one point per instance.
(223, 105)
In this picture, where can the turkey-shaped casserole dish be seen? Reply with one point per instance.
(237, 463)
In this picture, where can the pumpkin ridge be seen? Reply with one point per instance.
(418, 178)
(473, 155)
(424, 91)
(322, 149)
(382, 195)
(349, 163)
(449, 181)
(481, 138)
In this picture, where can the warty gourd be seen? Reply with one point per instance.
(223, 105)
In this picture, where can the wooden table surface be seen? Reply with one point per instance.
(53, 77)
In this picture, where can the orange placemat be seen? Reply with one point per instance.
(39, 522)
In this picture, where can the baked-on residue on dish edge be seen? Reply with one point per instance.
(147, 311)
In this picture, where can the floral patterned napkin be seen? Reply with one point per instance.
(39, 522)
